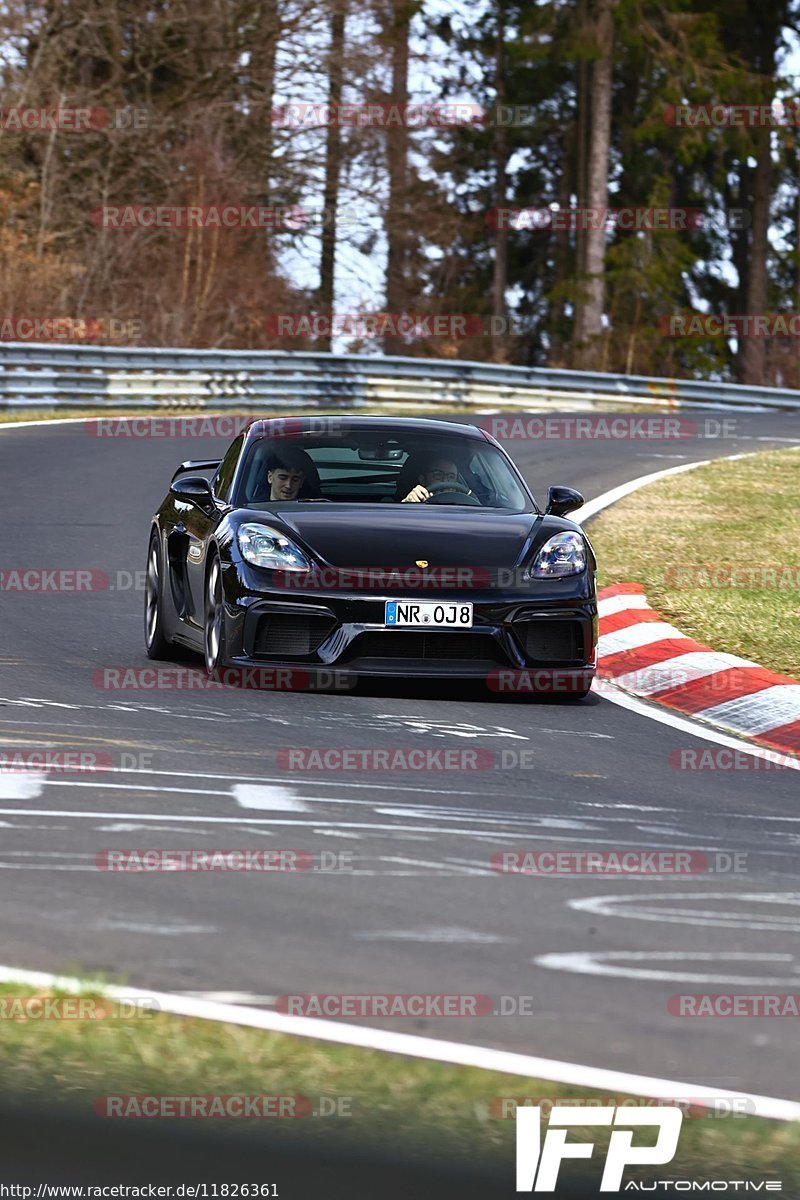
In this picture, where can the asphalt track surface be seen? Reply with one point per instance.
(421, 911)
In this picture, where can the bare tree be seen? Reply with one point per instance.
(589, 305)
(333, 162)
(500, 154)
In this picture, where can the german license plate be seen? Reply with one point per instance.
(427, 613)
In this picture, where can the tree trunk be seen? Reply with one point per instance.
(333, 157)
(582, 139)
(500, 148)
(589, 306)
(397, 217)
(561, 258)
(262, 67)
(752, 351)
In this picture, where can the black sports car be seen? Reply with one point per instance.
(372, 546)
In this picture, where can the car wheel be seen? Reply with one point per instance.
(214, 619)
(156, 644)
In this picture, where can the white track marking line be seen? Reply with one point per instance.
(685, 725)
(55, 781)
(50, 421)
(592, 507)
(494, 835)
(79, 814)
(279, 799)
(232, 997)
(601, 962)
(322, 783)
(620, 906)
(444, 868)
(439, 936)
(21, 785)
(46, 867)
(433, 1049)
(176, 930)
(412, 832)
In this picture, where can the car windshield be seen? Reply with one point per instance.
(363, 467)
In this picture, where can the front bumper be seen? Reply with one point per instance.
(552, 629)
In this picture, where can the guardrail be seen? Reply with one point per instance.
(75, 376)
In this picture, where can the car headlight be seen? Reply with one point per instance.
(265, 547)
(562, 554)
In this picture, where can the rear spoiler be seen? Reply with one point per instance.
(196, 464)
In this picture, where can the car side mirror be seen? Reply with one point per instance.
(562, 500)
(196, 490)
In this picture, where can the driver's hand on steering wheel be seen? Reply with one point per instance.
(417, 495)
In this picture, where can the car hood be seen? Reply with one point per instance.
(399, 536)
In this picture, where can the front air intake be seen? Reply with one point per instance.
(291, 635)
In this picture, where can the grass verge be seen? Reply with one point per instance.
(717, 550)
(376, 1100)
(10, 416)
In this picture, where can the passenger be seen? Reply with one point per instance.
(285, 483)
(290, 469)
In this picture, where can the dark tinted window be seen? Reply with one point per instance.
(369, 467)
(224, 476)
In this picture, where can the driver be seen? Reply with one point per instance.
(438, 470)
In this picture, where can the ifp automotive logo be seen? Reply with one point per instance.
(538, 1164)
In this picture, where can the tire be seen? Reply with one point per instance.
(214, 619)
(156, 644)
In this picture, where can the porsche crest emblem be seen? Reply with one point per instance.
(422, 562)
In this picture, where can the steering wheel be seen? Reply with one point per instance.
(443, 493)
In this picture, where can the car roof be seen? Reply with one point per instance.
(345, 423)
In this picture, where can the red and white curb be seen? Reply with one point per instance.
(647, 657)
